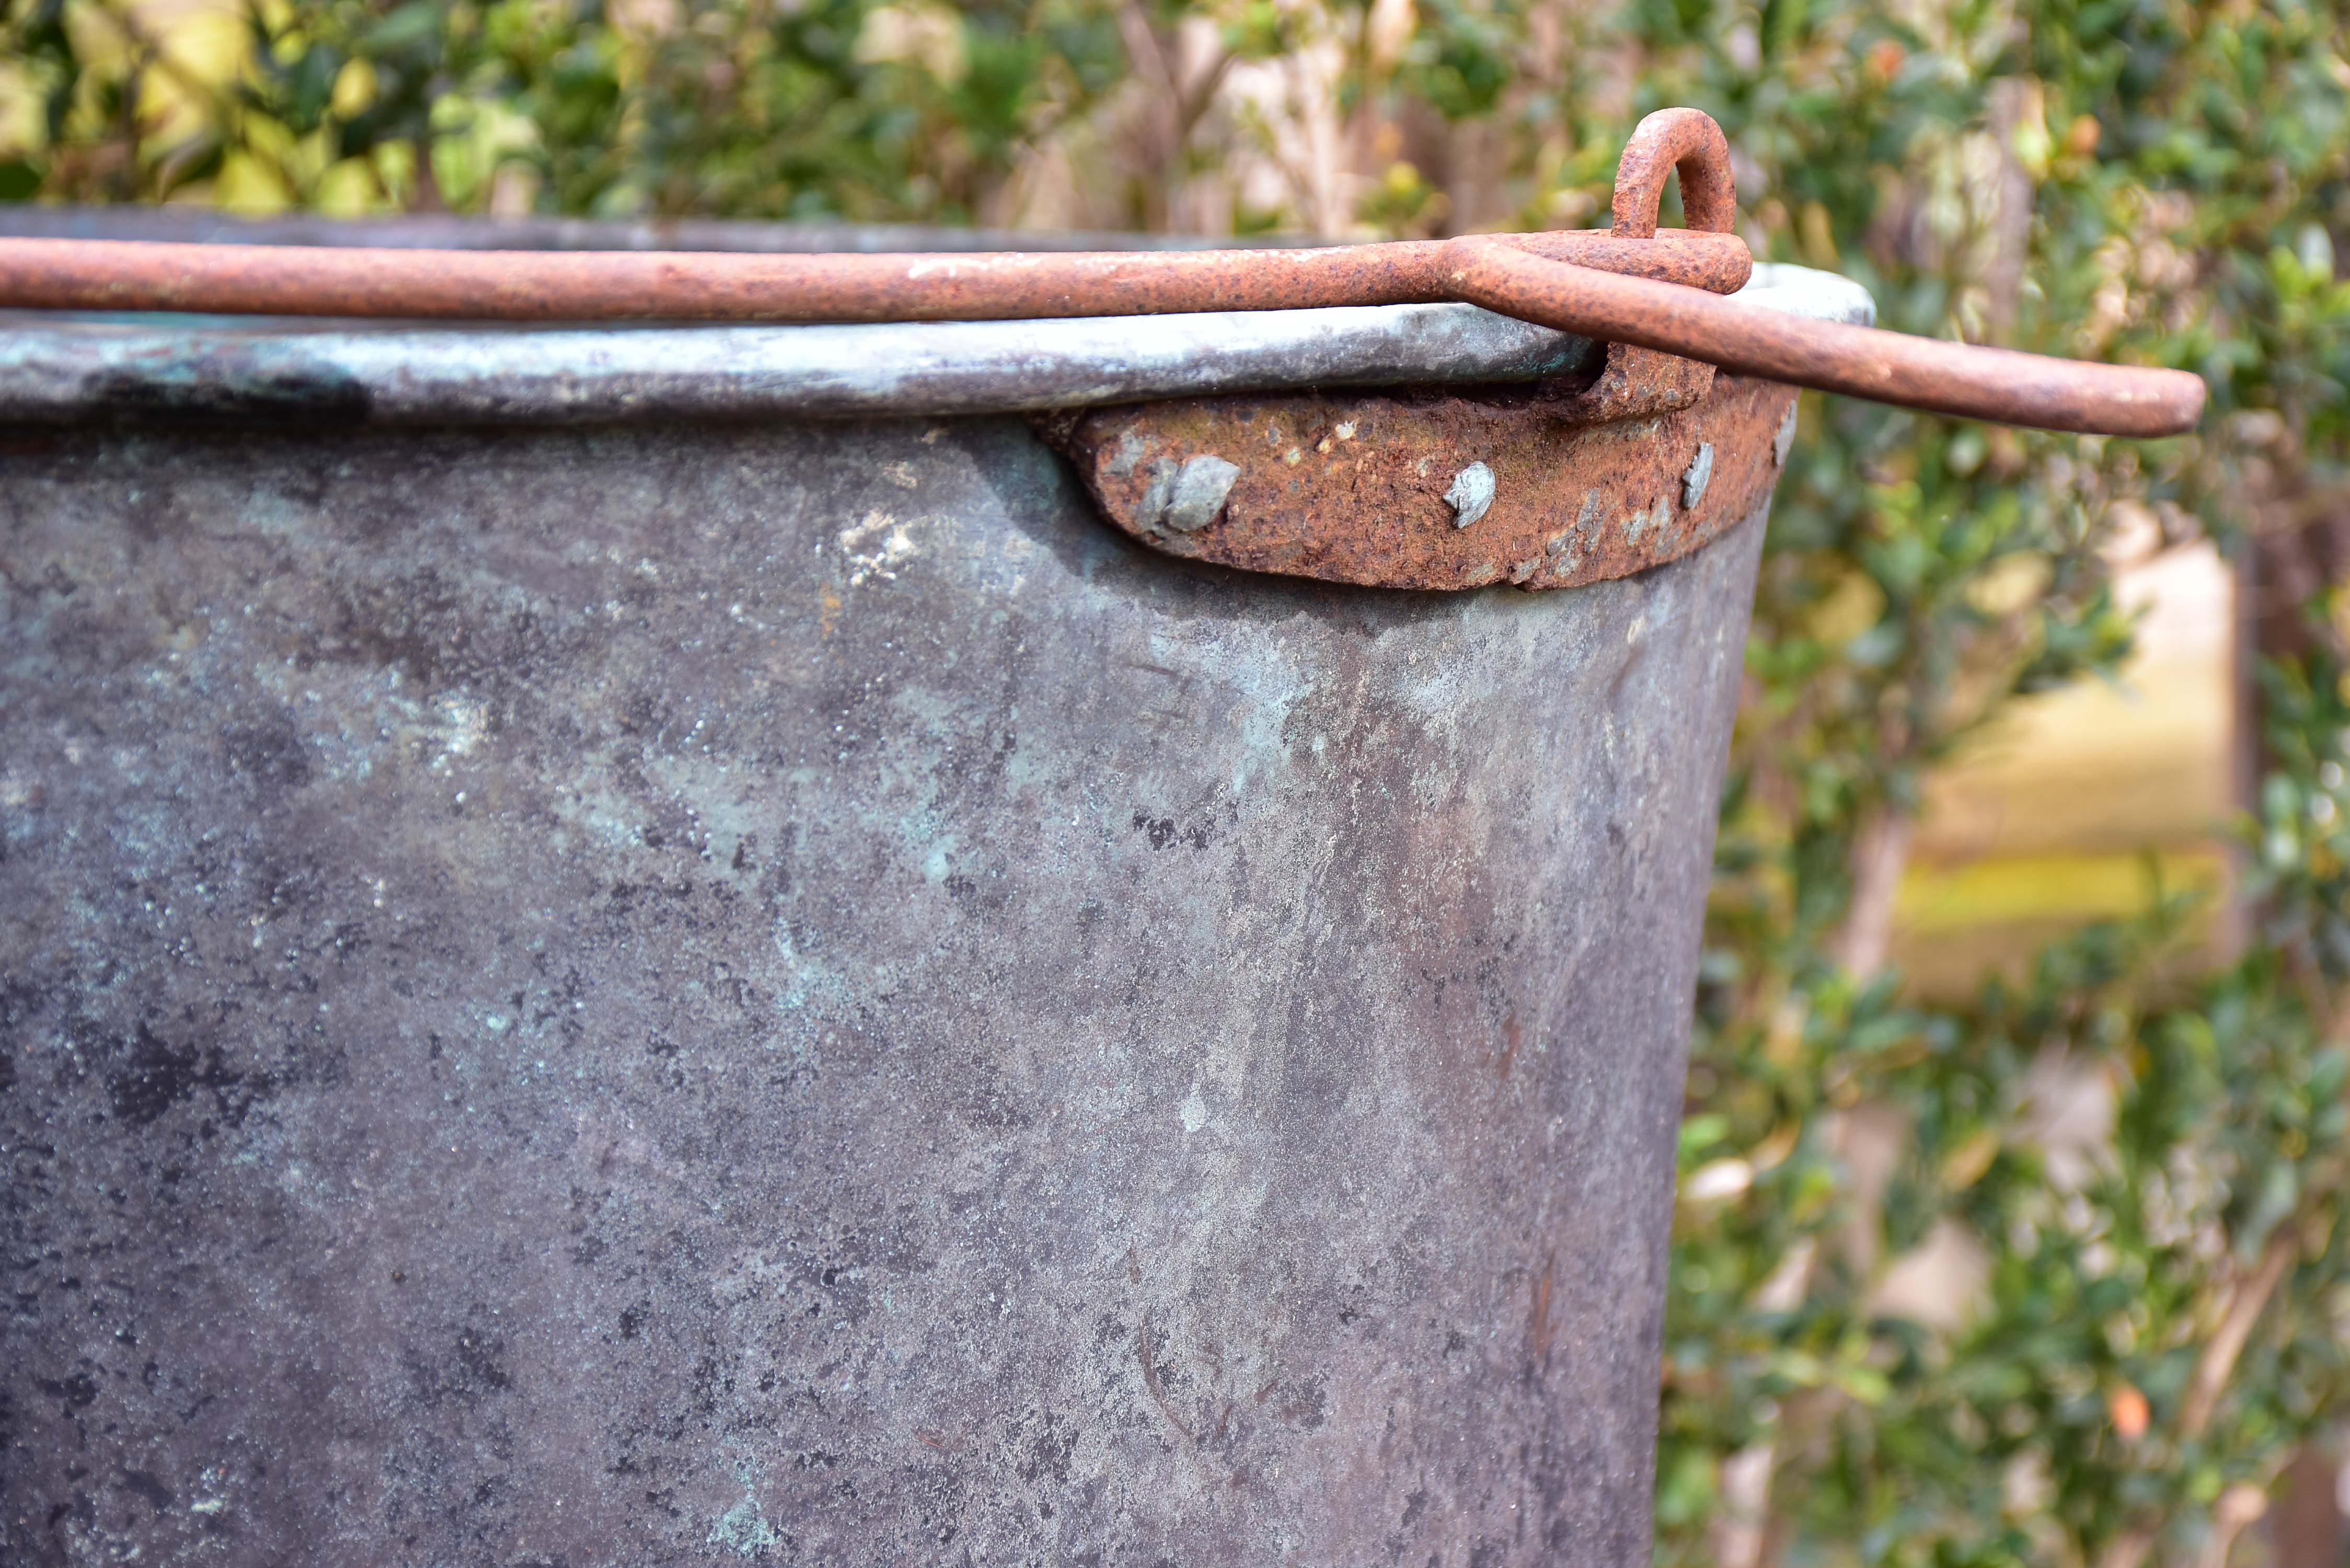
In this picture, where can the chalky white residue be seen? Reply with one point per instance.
(895, 549)
(468, 722)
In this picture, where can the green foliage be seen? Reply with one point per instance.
(2057, 1418)
(2157, 1313)
(736, 108)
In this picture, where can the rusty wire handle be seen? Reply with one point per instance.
(1628, 286)
(636, 285)
(1929, 373)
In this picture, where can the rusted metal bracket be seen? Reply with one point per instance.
(1431, 493)
(1637, 381)
(1647, 462)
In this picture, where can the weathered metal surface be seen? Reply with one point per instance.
(684, 285)
(53, 371)
(55, 368)
(1635, 383)
(1360, 489)
(449, 232)
(669, 995)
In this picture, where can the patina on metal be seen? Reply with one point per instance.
(58, 369)
(1631, 288)
(449, 231)
(770, 991)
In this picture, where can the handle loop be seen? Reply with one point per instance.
(1686, 140)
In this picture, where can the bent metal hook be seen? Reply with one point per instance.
(1630, 284)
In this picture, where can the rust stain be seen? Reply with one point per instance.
(1151, 1378)
(1513, 1036)
(1538, 1326)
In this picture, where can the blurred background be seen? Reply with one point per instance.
(2010, 1226)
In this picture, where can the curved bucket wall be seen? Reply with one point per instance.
(769, 988)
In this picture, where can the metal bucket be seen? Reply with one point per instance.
(656, 947)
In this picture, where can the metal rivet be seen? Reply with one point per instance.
(1157, 493)
(1471, 495)
(1699, 475)
(1198, 492)
(1129, 451)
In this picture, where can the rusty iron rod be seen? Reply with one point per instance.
(613, 285)
(1659, 293)
(1963, 379)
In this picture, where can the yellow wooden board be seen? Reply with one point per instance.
(2042, 825)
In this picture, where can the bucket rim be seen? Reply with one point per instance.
(66, 368)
